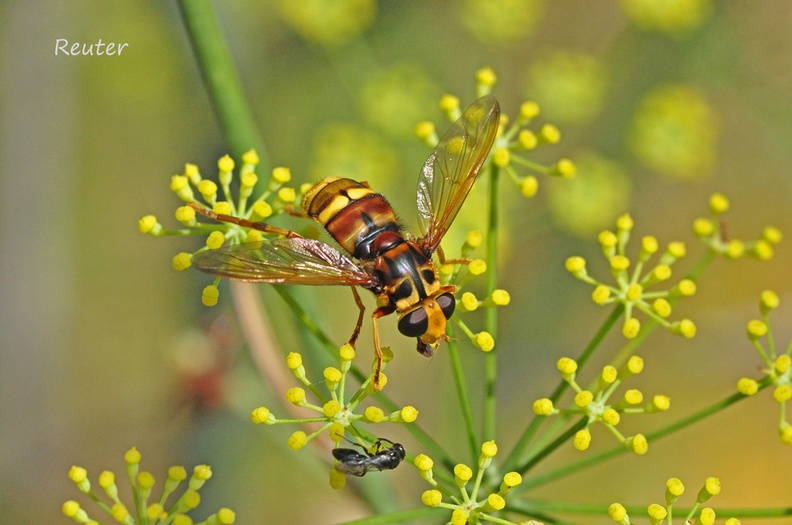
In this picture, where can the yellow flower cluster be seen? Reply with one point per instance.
(777, 364)
(146, 509)
(469, 506)
(630, 288)
(595, 404)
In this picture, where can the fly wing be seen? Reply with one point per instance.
(450, 171)
(284, 261)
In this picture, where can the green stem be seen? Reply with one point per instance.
(463, 395)
(491, 314)
(551, 447)
(221, 80)
(533, 427)
(395, 517)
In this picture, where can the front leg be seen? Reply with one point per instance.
(379, 312)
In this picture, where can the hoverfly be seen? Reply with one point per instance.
(354, 463)
(395, 266)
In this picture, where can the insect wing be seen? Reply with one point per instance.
(283, 261)
(350, 461)
(450, 171)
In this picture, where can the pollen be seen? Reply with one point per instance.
(432, 498)
(423, 462)
(477, 267)
(225, 163)
(527, 139)
(261, 210)
(631, 327)
(703, 227)
(215, 240)
(543, 407)
(718, 204)
(485, 341)
(756, 329)
(260, 415)
(617, 512)
(529, 186)
(374, 414)
(501, 157)
(297, 440)
(747, 386)
(210, 295)
(582, 439)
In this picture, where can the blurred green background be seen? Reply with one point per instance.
(103, 346)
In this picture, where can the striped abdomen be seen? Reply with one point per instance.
(354, 215)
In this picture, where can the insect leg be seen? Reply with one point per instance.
(379, 312)
(260, 226)
(359, 324)
(443, 260)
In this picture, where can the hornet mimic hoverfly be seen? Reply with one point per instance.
(395, 266)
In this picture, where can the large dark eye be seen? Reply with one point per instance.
(447, 304)
(414, 324)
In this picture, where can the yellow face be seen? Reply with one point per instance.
(427, 320)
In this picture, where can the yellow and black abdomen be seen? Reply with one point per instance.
(353, 214)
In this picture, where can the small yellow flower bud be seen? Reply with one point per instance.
(756, 329)
(486, 77)
(782, 393)
(150, 225)
(609, 374)
(607, 239)
(462, 474)
(494, 502)
(549, 134)
(529, 110)
(408, 414)
(707, 516)
(501, 157)
(763, 250)
(718, 204)
(582, 439)
(489, 449)
(297, 440)
(703, 227)
(71, 508)
(474, 239)
(674, 489)
(250, 157)
(529, 186)
(331, 408)
(601, 294)
(527, 139)
(185, 215)
(576, 266)
(637, 444)
(768, 301)
(423, 462)
(735, 249)
(611, 417)
(583, 398)
(261, 210)
(785, 433)
(215, 240)
(156, 512)
(202, 473)
(657, 513)
(132, 456)
(178, 183)
(107, 479)
(711, 488)
(633, 397)
(432, 498)
(225, 163)
(261, 415)
(208, 189)
(221, 207)
(567, 366)
(685, 288)
(634, 365)
(661, 272)
(772, 235)
(468, 302)
(676, 250)
(78, 474)
(226, 516)
(296, 396)
(426, 132)
(347, 352)
(634, 292)
(649, 245)
(661, 307)
(747, 386)
(511, 480)
(332, 374)
(619, 263)
(287, 195)
(617, 512)
(449, 103)
(477, 267)
(294, 360)
(253, 236)
(281, 175)
(500, 297)
(543, 407)
(625, 223)
(374, 414)
(686, 328)
(119, 512)
(564, 168)
(782, 363)
(631, 327)
(248, 180)
(210, 295)
(485, 341)
(659, 403)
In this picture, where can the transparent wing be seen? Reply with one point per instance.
(450, 171)
(283, 261)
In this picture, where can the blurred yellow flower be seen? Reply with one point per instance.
(570, 85)
(500, 21)
(344, 150)
(668, 16)
(328, 22)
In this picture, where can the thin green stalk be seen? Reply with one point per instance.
(551, 447)
(491, 314)
(573, 468)
(463, 395)
(221, 80)
(533, 427)
(395, 517)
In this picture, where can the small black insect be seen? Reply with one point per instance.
(354, 463)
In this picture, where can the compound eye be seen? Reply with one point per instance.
(415, 323)
(447, 304)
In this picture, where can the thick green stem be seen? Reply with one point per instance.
(221, 80)
(491, 315)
